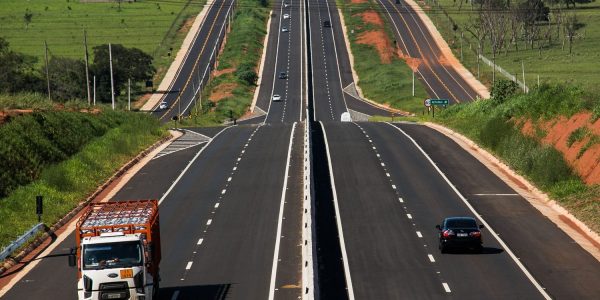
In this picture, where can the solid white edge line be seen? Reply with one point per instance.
(338, 219)
(337, 60)
(189, 165)
(312, 58)
(310, 290)
(472, 209)
(280, 217)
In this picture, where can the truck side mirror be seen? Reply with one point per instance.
(72, 260)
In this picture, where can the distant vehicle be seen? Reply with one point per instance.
(286, 4)
(286, 16)
(276, 98)
(284, 29)
(460, 232)
(163, 105)
(346, 117)
(326, 24)
(118, 250)
(282, 75)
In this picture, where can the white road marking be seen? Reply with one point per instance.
(223, 191)
(234, 168)
(280, 218)
(239, 158)
(382, 164)
(489, 228)
(217, 205)
(188, 166)
(229, 179)
(200, 242)
(409, 216)
(446, 287)
(431, 259)
(189, 265)
(393, 186)
(419, 234)
(401, 200)
(387, 174)
(209, 222)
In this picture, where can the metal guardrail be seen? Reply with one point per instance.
(20, 241)
(505, 73)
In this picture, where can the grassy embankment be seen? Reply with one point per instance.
(387, 81)
(152, 26)
(498, 128)
(63, 156)
(227, 91)
(553, 64)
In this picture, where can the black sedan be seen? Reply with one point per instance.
(460, 232)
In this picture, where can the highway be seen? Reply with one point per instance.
(197, 63)
(440, 79)
(231, 197)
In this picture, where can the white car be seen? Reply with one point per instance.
(276, 98)
(284, 29)
(163, 105)
(286, 16)
(286, 4)
(346, 117)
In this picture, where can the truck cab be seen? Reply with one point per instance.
(118, 252)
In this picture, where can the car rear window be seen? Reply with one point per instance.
(461, 223)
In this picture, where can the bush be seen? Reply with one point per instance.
(502, 90)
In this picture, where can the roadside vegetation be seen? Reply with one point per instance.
(63, 156)
(555, 40)
(550, 135)
(384, 77)
(231, 88)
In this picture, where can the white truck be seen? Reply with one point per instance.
(118, 251)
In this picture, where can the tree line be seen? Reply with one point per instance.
(20, 73)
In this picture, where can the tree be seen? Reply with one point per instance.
(495, 21)
(570, 26)
(16, 71)
(67, 78)
(27, 18)
(128, 63)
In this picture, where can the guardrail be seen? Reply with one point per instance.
(20, 241)
(505, 73)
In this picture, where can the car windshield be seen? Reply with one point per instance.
(461, 223)
(112, 255)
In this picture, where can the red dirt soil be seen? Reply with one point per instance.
(218, 73)
(371, 17)
(359, 1)
(379, 40)
(557, 134)
(222, 91)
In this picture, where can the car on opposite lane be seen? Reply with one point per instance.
(286, 16)
(276, 98)
(284, 29)
(460, 233)
(163, 105)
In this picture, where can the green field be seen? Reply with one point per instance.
(151, 26)
(552, 64)
(387, 83)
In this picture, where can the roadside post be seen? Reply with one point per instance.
(437, 102)
(39, 207)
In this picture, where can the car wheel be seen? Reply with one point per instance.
(442, 248)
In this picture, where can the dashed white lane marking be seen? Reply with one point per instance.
(387, 174)
(382, 164)
(200, 242)
(229, 179)
(393, 186)
(239, 158)
(409, 216)
(234, 168)
(175, 295)
(189, 265)
(419, 234)
(446, 287)
(401, 200)
(209, 222)
(217, 205)
(223, 191)
(431, 259)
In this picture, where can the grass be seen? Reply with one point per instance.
(152, 26)
(491, 125)
(65, 184)
(388, 83)
(552, 64)
(242, 49)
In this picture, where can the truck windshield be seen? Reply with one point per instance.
(112, 255)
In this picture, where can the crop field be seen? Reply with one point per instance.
(551, 62)
(151, 26)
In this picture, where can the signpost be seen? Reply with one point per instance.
(432, 103)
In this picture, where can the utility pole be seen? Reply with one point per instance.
(129, 94)
(94, 90)
(523, 68)
(87, 71)
(462, 34)
(112, 84)
(47, 72)
(413, 86)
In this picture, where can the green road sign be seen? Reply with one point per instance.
(439, 101)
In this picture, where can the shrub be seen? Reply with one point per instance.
(502, 90)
